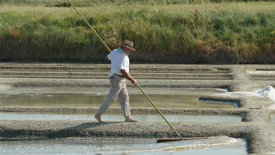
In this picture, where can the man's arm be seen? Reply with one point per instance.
(127, 76)
(107, 59)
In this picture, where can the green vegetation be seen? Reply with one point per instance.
(86, 3)
(50, 31)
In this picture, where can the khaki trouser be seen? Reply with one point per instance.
(117, 89)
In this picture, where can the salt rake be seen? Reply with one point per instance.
(161, 140)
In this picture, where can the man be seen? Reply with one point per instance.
(119, 71)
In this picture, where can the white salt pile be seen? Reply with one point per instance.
(269, 92)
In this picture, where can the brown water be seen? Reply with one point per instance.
(94, 96)
(89, 100)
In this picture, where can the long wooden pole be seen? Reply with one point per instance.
(84, 19)
(153, 104)
(149, 99)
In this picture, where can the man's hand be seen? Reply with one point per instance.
(128, 76)
(133, 81)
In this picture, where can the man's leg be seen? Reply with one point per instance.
(124, 102)
(111, 98)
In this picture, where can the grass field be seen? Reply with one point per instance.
(175, 33)
(87, 3)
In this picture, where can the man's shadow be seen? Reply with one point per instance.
(92, 125)
(79, 130)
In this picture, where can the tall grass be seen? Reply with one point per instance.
(194, 33)
(85, 3)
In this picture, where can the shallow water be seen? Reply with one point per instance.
(9, 90)
(79, 100)
(261, 74)
(124, 146)
(174, 118)
(93, 97)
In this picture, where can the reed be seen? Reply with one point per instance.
(182, 33)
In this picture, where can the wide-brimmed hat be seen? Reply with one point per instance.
(128, 44)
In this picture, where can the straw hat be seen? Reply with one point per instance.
(128, 44)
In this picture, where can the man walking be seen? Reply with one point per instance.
(119, 71)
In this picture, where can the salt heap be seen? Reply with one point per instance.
(269, 92)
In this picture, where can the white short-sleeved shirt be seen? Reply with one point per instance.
(119, 60)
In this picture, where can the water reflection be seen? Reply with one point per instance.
(121, 146)
(94, 96)
(86, 100)
(108, 117)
